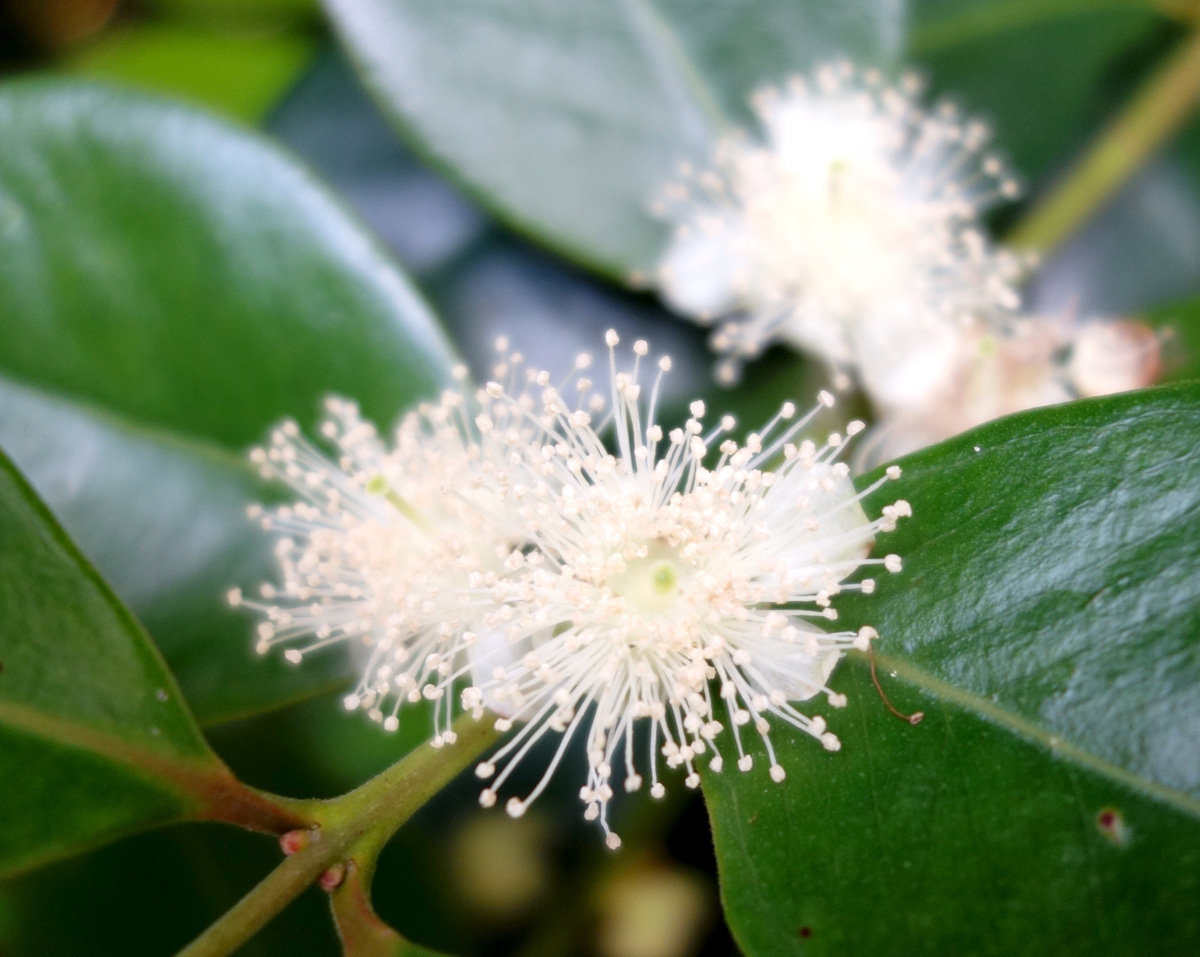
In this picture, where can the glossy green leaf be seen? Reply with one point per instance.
(486, 283)
(184, 274)
(95, 739)
(242, 74)
(165, 519)
(566, 117)
(1047, 622)
(181, 286)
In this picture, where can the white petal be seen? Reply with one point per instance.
(818, 137)
(1110, 357)
(811, 330)
(804, 677)
(699, 274)
(841, 534)
(898, 434)
(493, 650)
(907, 360)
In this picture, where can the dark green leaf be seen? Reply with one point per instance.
(484, 282)
(1048, 624)
(567, 117)
(185, 275)
(166, 521)
(1046, 74)
(95, 740)
(183, 286)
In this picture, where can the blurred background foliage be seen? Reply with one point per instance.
(1047, 73)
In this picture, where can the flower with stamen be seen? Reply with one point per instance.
(683, 580)
(1035, 361)
(851, 230)
(393, 549)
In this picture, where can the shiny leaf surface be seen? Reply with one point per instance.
(170, 287)
(566, 117)
(95, 739)
(1047, 622)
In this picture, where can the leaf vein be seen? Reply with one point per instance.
(1034, 732)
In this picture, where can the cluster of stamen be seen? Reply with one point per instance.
(850, 229)
(389, 549)
(678, 581)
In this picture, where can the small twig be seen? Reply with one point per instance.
(249, 915)
(358, 823)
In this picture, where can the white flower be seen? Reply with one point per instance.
(1108, 356)
(1031, 362)
(692, 597)
(391, 549)
(851, 231)
(498, 544)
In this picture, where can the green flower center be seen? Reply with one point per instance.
(650, 585)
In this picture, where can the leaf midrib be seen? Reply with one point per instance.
(84, 565)
(180, 770)
(1032, 731)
